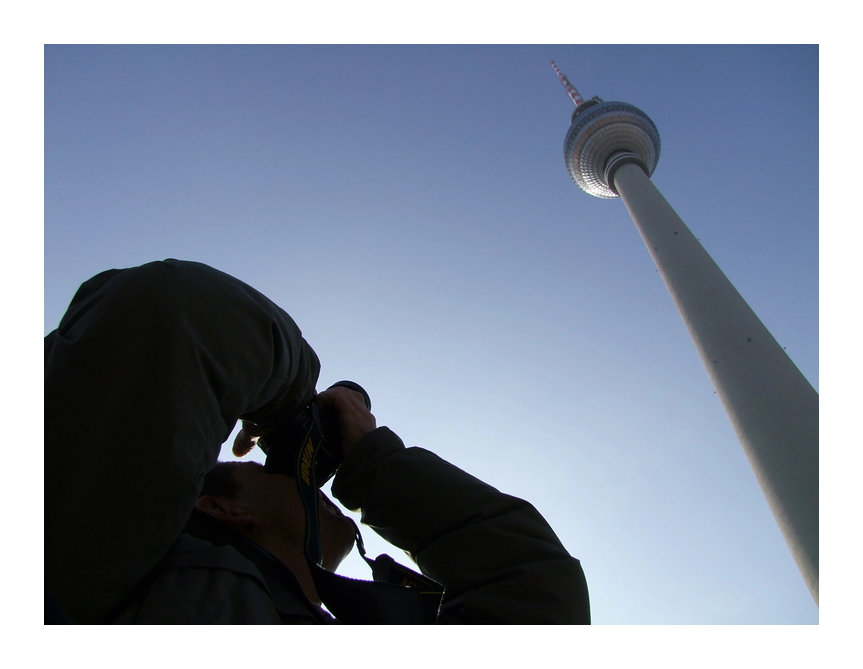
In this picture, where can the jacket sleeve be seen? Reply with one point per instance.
(497, 557)
(145, 377)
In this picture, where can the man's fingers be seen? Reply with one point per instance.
(245, 441)
(341, 398)
(355, 420)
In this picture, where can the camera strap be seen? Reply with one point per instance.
(397, 595)
(308, 486)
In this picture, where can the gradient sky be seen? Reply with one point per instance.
(410, 208)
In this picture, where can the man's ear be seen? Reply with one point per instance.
(229, 511)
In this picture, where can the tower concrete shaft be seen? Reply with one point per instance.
(772, 407)
(610, 151)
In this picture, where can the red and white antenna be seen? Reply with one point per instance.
(570, 89)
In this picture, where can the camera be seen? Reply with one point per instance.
(308, 447)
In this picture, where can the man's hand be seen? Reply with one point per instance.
(247, 438)
(355, 421)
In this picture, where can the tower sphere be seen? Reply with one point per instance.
(602, 137)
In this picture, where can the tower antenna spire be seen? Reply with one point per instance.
(570, 89)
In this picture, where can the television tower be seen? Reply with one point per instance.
(610, 151)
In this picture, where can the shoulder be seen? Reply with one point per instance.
(201, 583)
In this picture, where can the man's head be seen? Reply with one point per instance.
(267, 508)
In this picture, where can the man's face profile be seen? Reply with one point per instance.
(266, 507)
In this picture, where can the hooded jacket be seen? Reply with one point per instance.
(145, 378)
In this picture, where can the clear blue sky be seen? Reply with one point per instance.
(410, 208)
